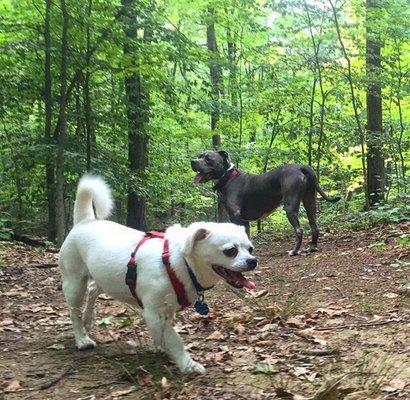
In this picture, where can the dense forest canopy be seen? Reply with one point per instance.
(133, 90)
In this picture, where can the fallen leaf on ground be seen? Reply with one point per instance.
(217, 335)
(164, 383)
(298, 371)
(390, 295)
(297, 321)
(56, 346)
(13, 386)
(239, 329)
(399, 383)
(120, 393)
(332, 311)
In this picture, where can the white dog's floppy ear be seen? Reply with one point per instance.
(194, 237)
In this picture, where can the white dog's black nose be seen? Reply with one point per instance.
(252, 262)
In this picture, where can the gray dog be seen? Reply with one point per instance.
(248, 197)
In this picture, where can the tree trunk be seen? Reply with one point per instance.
(399, 75)
(59, 201)
(216, 76)
(233, 84)
(89, 131)
(311, 121)
(138, 118)
(375, 159)
(355, 106)
(49, 162)
(317, 69)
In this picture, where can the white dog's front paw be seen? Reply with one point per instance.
(193, 367)
(85, 343)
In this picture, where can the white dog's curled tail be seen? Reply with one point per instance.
(92, 189)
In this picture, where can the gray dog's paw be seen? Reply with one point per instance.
(311, 248)
(294, 253)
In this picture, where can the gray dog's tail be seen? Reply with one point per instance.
(311, 175)
(325, 196)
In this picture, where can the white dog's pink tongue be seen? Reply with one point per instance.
(247, 283)
(241, 280)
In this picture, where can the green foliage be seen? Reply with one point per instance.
(404, 240)
(5, 230)
(267, 111)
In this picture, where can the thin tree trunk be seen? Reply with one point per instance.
(49, 161)
(138, 118)
(85, 59)
(233, 85)
(399, 75)
(354, 104)
(89, 131)
(375, 160)
(318, 68)
(60, 211)
(216, 90)
(216, 76)
(311, 121)
(79, 127)
(272, 138)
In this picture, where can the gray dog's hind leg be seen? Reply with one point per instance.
(291, 207)
(236, 219)
(309, 202)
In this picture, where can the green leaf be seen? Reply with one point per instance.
(56, 346)
(127, 321)
(104, 321)
(264, 368)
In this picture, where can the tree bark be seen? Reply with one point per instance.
(311, 121)
(59, 200)
(89, 128)
(355, 106)
(138, 118)
(399, 74)
(318, 69)
(375, 160)
(216, 76)
(233, 84)
(49, 162)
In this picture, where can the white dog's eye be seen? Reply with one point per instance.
(231, 252)
(250, 250)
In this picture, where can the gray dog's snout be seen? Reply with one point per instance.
(194, 164)
(252, 262)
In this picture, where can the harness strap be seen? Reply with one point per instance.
(131, 276)
(176, 283)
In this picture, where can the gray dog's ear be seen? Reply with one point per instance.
(224, 154)
(194, 237)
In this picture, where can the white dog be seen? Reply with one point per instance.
(94, 256)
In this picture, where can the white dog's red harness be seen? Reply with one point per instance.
(131, 277)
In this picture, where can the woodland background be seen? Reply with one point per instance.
(133, 90)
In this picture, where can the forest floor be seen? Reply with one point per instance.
(329, 325)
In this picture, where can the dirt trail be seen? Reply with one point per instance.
(338, 313)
